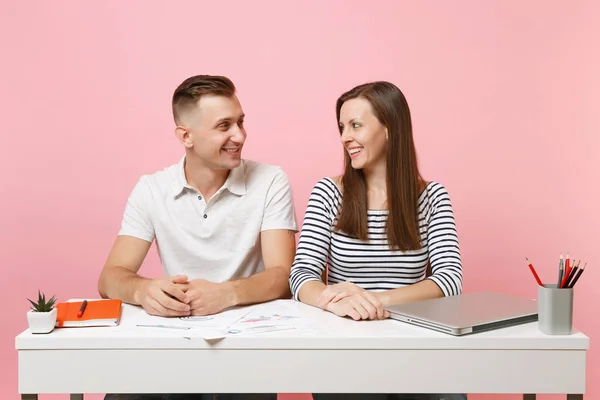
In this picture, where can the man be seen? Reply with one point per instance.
(224, 227)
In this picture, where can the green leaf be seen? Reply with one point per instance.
(51, 302)
(42, 305)
(34, 305)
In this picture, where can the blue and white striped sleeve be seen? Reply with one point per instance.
(313, 246)
(442, 238)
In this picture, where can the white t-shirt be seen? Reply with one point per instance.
(218, 241)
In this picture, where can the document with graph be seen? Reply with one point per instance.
(273, 316)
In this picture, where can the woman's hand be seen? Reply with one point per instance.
(334, 293)
(358, 306)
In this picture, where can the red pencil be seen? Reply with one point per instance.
(82, 309)
(535, 275)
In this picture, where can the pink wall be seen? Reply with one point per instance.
(504, 96)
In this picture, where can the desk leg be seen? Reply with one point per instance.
(569, 397)
(29, 397)
(76, 397)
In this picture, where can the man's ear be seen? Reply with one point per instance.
(184, 136)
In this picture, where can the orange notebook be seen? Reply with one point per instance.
(104, 312)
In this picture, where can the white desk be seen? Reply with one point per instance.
(338, 356)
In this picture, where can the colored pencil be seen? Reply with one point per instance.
(567, 272)
(560, 271)
(577, 276)
(572, 274)
(535, 275)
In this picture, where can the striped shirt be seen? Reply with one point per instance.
(373, 265)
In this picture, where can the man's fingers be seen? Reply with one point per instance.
(151, 310)
(176, 306)
(175, 291)
(198, 312)
(157, 307)
(166, 312)
(386, 314)
(179, 279)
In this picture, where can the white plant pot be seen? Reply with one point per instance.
(41, 322)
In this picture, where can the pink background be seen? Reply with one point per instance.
(504, 96)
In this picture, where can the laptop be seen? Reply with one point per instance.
(467, 313)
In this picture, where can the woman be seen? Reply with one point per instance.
(380, 226)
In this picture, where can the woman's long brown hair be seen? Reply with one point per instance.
(403, 178)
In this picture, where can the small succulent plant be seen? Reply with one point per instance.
(42, 305)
